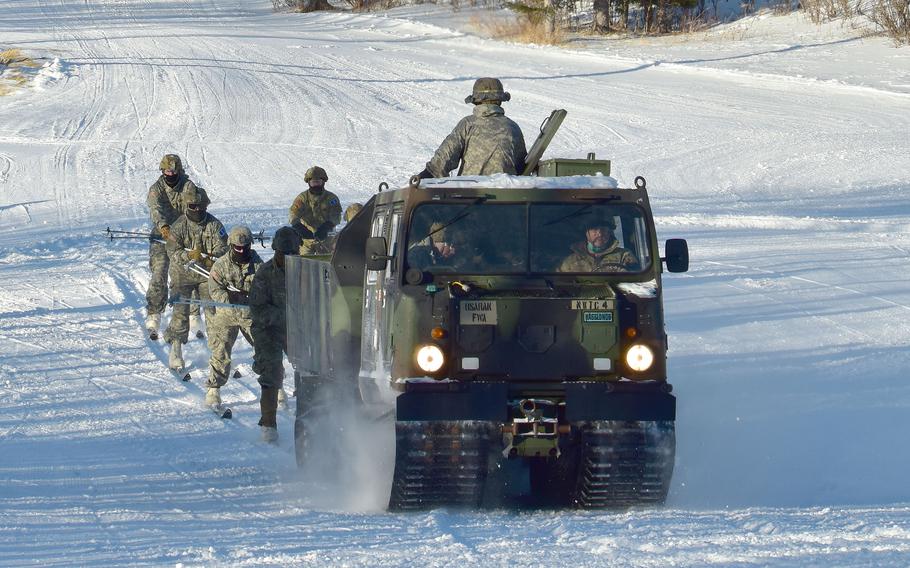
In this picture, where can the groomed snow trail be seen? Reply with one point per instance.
(788, 336)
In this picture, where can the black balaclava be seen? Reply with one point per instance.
(240, 254)
(172, 179)
(317, 190)
(195, 215)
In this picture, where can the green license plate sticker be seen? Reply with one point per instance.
(598, 317)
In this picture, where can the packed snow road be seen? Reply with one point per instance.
(788, 336)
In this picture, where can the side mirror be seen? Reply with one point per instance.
(377, 255)
(677, 251)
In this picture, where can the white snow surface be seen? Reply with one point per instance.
(784, 162)
(641, 289)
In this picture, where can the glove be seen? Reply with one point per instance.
(195, 254)
(237, 297)
(302, 231)
(165, 232)
(323, 231)
(208, 262)
(425, 174)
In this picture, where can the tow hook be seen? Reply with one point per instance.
(534, 430)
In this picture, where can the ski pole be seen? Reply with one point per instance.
(114, 234)
(152, 239)
(261, 237)
(110, 232)
(205, 303)
(191, 265)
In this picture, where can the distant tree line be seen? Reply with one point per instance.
(891, 17)
(604, 16)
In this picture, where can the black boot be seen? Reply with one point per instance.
(268, 406)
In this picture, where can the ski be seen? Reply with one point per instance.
(183, 374)
(222, 411)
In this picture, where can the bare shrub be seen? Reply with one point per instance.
(12, 64)
(369, 5)
(301, 5)
(826, 10)
(692, 22)
(520, 29)
(893, 17)
(782, 7)
(9, 57)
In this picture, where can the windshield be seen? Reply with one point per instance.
(479, 237)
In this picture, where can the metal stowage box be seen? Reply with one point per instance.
(563, 167)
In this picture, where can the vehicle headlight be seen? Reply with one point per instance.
(639, 357)
(430, 358)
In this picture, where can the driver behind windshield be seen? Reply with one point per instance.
(600, 251)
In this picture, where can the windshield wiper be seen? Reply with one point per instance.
(581, 210)
(456, 218)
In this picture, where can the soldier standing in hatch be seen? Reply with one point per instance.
(316, 211)
(198, 237)
(486, 142)
(164, 208)
(268, 300)
(230, 281)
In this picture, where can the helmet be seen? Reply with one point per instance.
(487, 89)
(240, 236)
(352, 211)
(596, 221)
(286, 240)
(171, 162)
(194, 195)
(315, 173)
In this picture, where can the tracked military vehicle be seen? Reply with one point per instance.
(513, 369)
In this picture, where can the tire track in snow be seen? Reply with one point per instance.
(6, 166)
(19, 423)
(810, 281)
(54, 299)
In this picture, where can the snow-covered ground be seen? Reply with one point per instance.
(783, 160)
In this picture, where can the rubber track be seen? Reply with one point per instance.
(625, 463)
(439, 464)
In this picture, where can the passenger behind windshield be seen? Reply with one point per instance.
(434, 250)
(600, 251)
(476, 238)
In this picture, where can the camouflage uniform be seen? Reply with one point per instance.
(315, 212)
(207, 236)
(327, 246)
(268, 305)
(613, 259)
(228, 322)
(268, 300)
(164, 209)
(485, 143)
